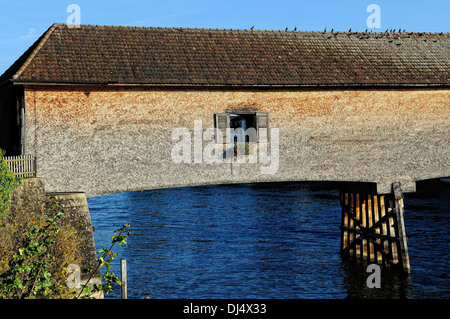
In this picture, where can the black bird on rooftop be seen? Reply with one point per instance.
(252, 28)
(286, 28)
(295, 29)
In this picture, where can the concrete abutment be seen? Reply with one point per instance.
(31, 196)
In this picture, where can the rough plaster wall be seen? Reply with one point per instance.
(112, 140)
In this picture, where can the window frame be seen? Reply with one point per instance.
(261, 125)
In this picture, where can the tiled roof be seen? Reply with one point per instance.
(94, 54)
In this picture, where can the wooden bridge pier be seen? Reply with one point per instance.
(372, 227)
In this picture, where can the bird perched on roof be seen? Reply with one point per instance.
(350, 30)
(252, 28)
(286, 28)
(295, 29)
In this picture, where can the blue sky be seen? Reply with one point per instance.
(23, 21)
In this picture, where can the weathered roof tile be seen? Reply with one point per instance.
(181, 56)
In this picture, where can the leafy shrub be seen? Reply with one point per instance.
(7, 184)
(104, 260)
(35, 251)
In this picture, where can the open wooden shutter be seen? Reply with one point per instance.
(221, 122)
(262, 127)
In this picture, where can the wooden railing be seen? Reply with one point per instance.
(22, 166)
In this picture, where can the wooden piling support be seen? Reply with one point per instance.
(399, 210)
(123, 279)
(372, 228)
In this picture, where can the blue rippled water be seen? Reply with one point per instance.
(277, 240)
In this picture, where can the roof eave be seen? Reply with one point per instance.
(277, 86)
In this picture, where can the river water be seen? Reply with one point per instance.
(274, 240)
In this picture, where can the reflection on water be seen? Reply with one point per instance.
(276, 240)
(394, 284)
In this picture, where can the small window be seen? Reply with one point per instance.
(242, 124)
